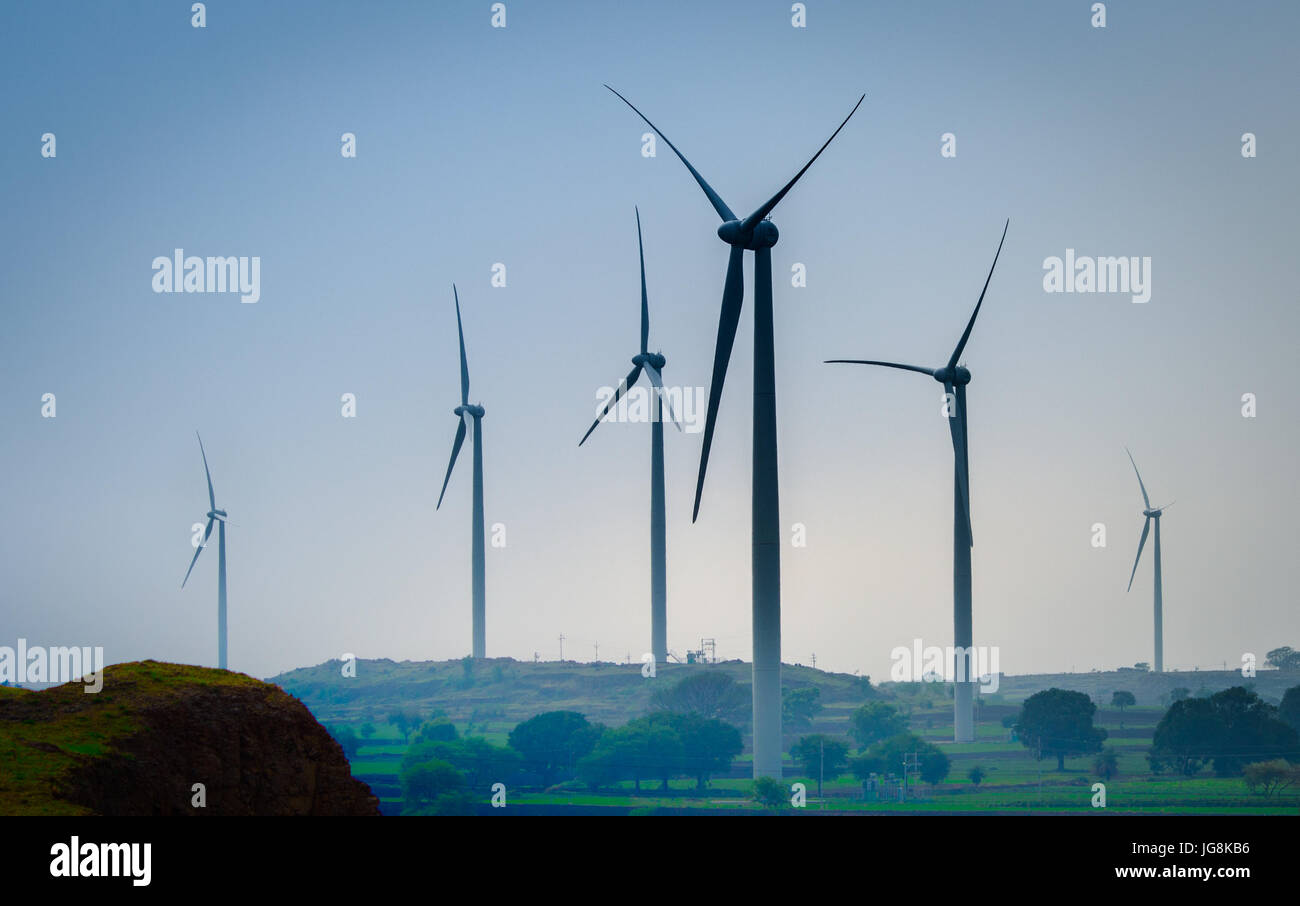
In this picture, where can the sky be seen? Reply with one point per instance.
(478, 146)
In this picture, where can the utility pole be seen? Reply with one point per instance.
(597, 647)
(561, 647)
(814, 660)
(536, 657)
(909, 759)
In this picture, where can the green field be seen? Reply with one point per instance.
(499, 694)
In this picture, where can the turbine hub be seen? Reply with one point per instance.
(1153, 514)
(956, 375)
(217, 514)
(653, 359)
(762, 236)
(471, 410)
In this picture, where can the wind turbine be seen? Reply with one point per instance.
(757, 234)
(652, 364)
(464, 410)
(1152, 513)
(219, 517)
(954, 378)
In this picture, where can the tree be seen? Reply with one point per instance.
(708, 694)
(635, 752)
(976, 775)
(1252, 731)
(405, 720)
(770, 793)
(347, 738)
(888, 756)
(1270, 777)
(1122, 699)
(1289, 710)
(821, 756)
(1178, 693)
(552, 742)
(437, 730)
(1232, 728)
(1186, 737)
(367, 730)
(1057, 722)
(434, 788)
(1142, 665)
(479, 761)
(1106, 764)
(799, 707)
(661, 750)
(1284, 658)
(874, 722)
(709, 746)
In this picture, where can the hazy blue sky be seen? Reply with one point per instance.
(479, 145)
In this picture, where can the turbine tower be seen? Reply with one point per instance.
(759, 235)
(954, 378)
(463, 411)
(652, 364)
(1152, 513)
(219, 517)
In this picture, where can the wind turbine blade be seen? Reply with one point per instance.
(1146, 527)
(752, 220)
(961, 344)
(1145, 499)
(657, 379)
(613, 401)
(645, 303)
(718, 204)
(464, 364)
(212, 497)
(733, 295)
(957, 427)
(455, 451)
(198, 550)
(916, 368)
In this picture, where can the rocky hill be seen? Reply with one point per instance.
(154, 731)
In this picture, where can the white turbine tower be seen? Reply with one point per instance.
(217, 516)
(1152, 514)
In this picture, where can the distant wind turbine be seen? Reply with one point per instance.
(1152, 513)
(652, 364)
(464, 410)
(954, 378)
(219, 517)
(759, 235)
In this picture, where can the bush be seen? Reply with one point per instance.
(770, 793)
(1267, 778)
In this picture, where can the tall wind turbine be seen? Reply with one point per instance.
(219, 517)
(954, 378)
(757, 234)
(1152, 513)
(653, 365)
(463, 411)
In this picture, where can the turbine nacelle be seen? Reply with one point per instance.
(956, 375)
(1153, 514)
(471, 410)
(217, 514)
(762, 235)
(653, 359)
